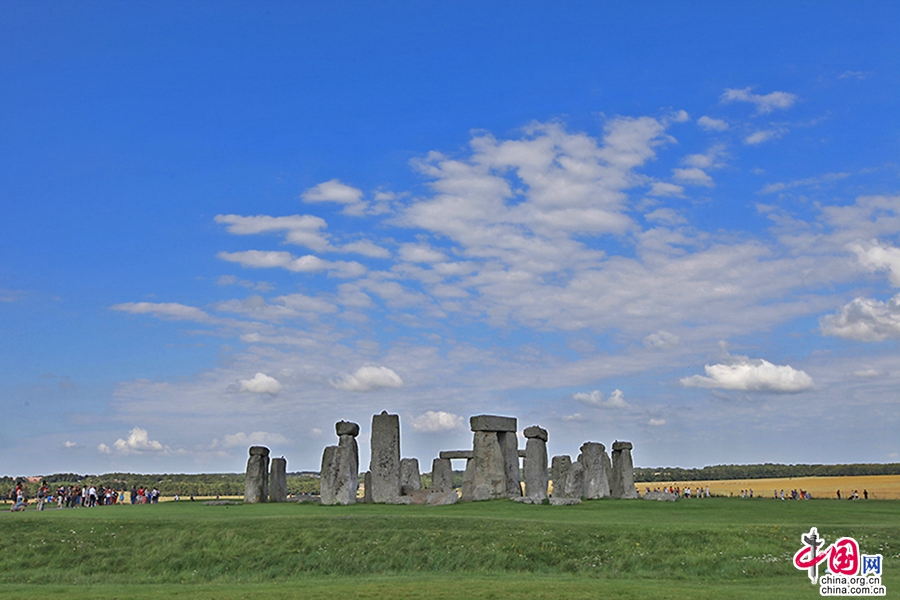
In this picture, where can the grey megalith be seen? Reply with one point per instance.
(441, 474)
(339, 478)
(256, 484)
(575, 481)
(623, 471)
(559, 470)
(410, 480)
(596, 475)
(536, 463)
(278, 480)
(385, 457)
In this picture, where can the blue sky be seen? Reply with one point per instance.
(225, 224)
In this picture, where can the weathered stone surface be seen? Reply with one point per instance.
(367, 488)
(489, 466)
(346, 428)
(410, 479)
(559, 470)
(468, 485)
(278, 480)
(385, 457)
(256, 483)
(596, 476)
(623, 472)
(509, 445)
(575, 481)
(492, 423)
(536, 468)
(441, 474)
(453, 454)
(536, 432)
(564, 501)
(339, 478)
(442, 498)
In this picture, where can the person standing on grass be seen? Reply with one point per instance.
(41, 494)
(865, 494)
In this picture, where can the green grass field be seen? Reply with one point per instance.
(711, 548)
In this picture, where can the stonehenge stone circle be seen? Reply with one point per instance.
(559, 470)
(256, 484)
(385, 457)
(441, 475)
(492, 423)
(410, 480)
(278, 480)
(536, 463)
(623, 471)
(596, 476)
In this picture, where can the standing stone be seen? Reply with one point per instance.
(339, 478)
(509, 446)
(490, 467)
(278, 480)
(410, 480)
(596, 475)
(367, 488)
(536, 463)
(256, 484)
(385, 461)
(559, 470)
(623, 471)
(467, 494)
(575, 481)
(441, 474)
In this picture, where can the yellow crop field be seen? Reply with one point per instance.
(879, 487)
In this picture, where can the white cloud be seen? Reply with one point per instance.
(808, 182)
(436, 421)
(867, 373)
(366, 248)
(764, 103)
(662, 340)
(877, 257)
(420, 253)
(573, 418)
(763, 136)
(751, 375)
(656, 422)
(302, 230)
(693, 176)
(595, 399)
(104, 449)
(662, 188)
(262, 259)
(865, 320)
(260, 384)
(165, 310)
(368, 378)
(257, 438)
(335, 191)
(69, 444)
(710, 124)
(138, 441)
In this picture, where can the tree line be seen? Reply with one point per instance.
(761, 471)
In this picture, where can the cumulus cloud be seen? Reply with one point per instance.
(436, 421)
(710, 124)
(368, 378)
(340, 193)
(595, 399)
(104, 449)
(763, 136)
(877, 257)
(268, 259)
(69, 444)
(260, 384)
(693, 176)
(865, 320)
(764, 103)
(241, 439)
(656, 422)
(303, 230)
(751, 375)
(138, 442)
(165, 310)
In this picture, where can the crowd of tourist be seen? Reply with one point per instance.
(685, 492)
(86, 496)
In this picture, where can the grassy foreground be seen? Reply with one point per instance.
(715, 548)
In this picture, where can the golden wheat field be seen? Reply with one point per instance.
(880, 487)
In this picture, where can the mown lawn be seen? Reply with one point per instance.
(709, 548)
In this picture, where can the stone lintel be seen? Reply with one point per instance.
(521, 453)
(346, 428)
(536, 432)
(492, 423)
(259, 451)
(622, 446)
(454, 454)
